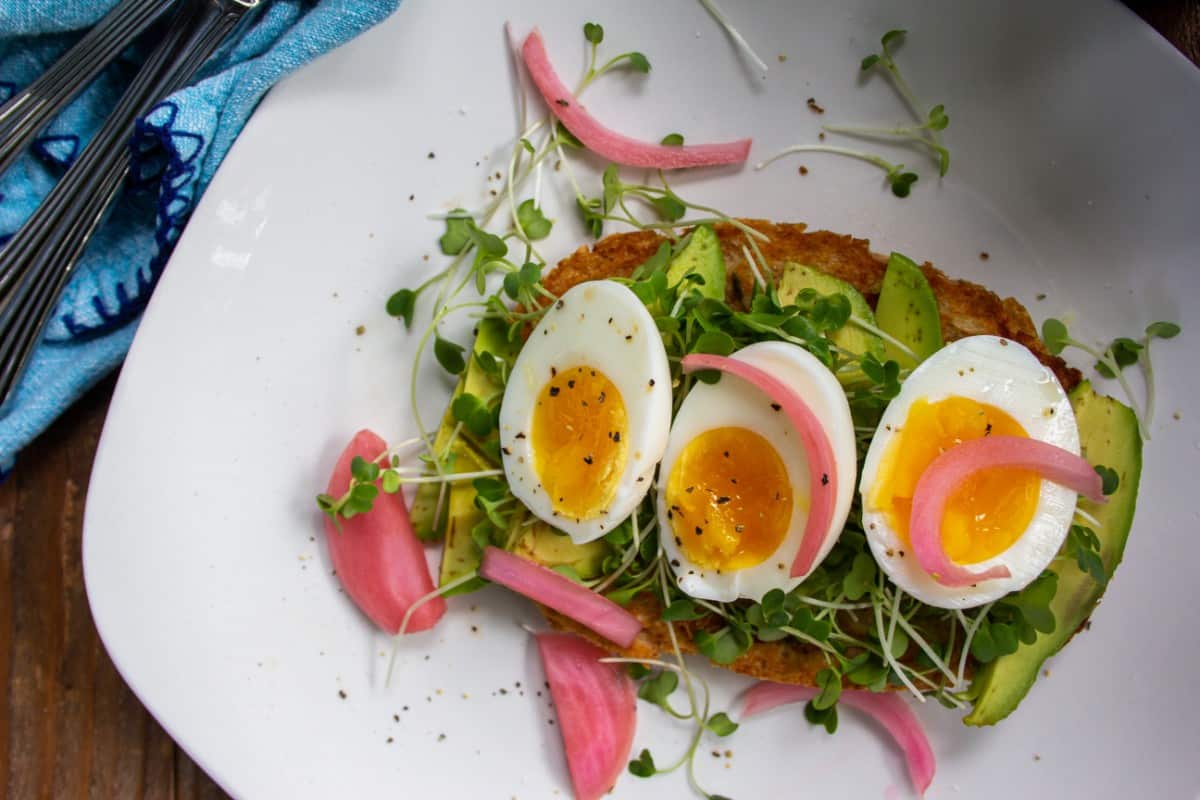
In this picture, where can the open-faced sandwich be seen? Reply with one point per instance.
(621, 469)
(845, 475)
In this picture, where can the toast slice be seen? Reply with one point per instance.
(966, 308)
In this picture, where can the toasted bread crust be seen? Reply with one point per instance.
(966, 309)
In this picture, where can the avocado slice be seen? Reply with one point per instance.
(850, 337)
(1108, 433)
(460, 554)
(552, 548)
(491, 337)
(701, 256)
(908, 311)
(424, 505)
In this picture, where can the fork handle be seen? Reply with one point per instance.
(38, 261)
(29, 110)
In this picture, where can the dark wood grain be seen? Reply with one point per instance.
(70, 727)
(1177, 20)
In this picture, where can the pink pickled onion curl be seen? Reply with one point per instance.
(604, 141)
(594, 611)
(821, 465)
(376, 555)
(596, 705)
(947, 472)
(888, 709)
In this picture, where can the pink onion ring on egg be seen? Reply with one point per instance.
(608, 143)
(596, 706)
(947, 472)
(594, 611)
(888, 709)
(822, 470)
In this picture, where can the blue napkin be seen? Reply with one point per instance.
(175, 152)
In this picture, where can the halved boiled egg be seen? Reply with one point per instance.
(733, 487)
(975, 387)
(586, 411)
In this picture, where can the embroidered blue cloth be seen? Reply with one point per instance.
(175, 152)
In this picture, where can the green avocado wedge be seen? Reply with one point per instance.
(908, 310)
(544, 545)
(460, 554)
(701, 256)
(459, 514)
(850, 337)
(1108, 434)
(490, 338)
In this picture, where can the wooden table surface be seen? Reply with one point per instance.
(71, 727)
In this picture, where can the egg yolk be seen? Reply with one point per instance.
(579, 441)
(729, 499)
(990, 510)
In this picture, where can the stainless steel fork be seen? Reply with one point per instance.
(29, 110)
(37, 262)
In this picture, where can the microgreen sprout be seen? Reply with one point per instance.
(925, 132)
(368, 478)
(1083, 546)
(897, 177)
(1111, 362)
(931, 121)
(594, 34)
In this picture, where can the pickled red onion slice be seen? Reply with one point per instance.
(594, 611)
(376, 555)
(946, 472)
(596, 707)
(608, 143)
(888, 709)
(822, 470)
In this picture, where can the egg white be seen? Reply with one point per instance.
(1005, 374)
(599, 324)
(733, 402)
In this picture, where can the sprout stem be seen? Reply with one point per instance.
(420, 601)
(878, 161)
(734, 34)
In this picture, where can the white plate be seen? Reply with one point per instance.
(1075, 166)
